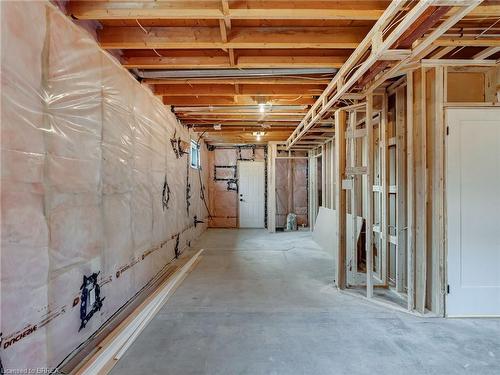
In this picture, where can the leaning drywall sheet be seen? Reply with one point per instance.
(95, 199)
(325, 230)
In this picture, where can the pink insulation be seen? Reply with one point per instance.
(291, 190)
(86, 158)
(224, 202)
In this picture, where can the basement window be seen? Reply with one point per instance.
(195, 155)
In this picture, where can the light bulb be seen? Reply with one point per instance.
(262, 107)
(258, 137)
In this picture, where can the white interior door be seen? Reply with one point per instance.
(251, 193)
(473, 208)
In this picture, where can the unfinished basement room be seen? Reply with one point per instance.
(257, 187)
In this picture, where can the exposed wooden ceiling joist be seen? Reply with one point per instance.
(244, 34)
(239, 38)
(467, 42)
(298, 10)
(213, 10)
(231, 100)
(241, 122)
(232, 129)
(245, 90)
(484, 54)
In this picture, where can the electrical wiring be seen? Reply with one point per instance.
(202, 187)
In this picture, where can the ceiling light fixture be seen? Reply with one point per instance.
(259, 135)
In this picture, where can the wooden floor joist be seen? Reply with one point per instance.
(211, 10)
(240, 37)
(244, 90)
(227, 34)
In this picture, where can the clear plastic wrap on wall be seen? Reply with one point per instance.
(86, 166)
(291, 190)
(223, 185)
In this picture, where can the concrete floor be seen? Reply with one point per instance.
(261, 303)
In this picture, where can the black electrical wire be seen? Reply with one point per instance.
(202, 188)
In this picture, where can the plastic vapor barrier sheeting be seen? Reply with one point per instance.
(291, 190)
(91, 186)
(223, 182)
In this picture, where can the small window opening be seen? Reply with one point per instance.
(195, 155)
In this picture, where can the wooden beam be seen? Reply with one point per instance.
(226, 13)
(352, 160)
(338, 85)
(244, 123)
(225, 26)
(310, 142)
(240, 37)
(245, 90)
(401, 188)
(290, 61)
(271, 187)
(421, 187)
(208, 62)
(232, 58)
(423, 23)
(486, 53)
(422, 48)
(101, 10)
(438, 232)
(114, 345)
(306, 14)
(118, 10)
(340, 197)
(467, 42)
(322, 130)
(490, 9)
(410, 198)
(240, 118)
(238, 129)
(457, 62)
(369, 196)
(384, 180)
(324, 137)
(442, 52)
(223, 31)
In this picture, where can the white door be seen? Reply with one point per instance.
(473, 210)
(251, 193)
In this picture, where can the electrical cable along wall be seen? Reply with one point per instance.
(94, 198)
(223, 182)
